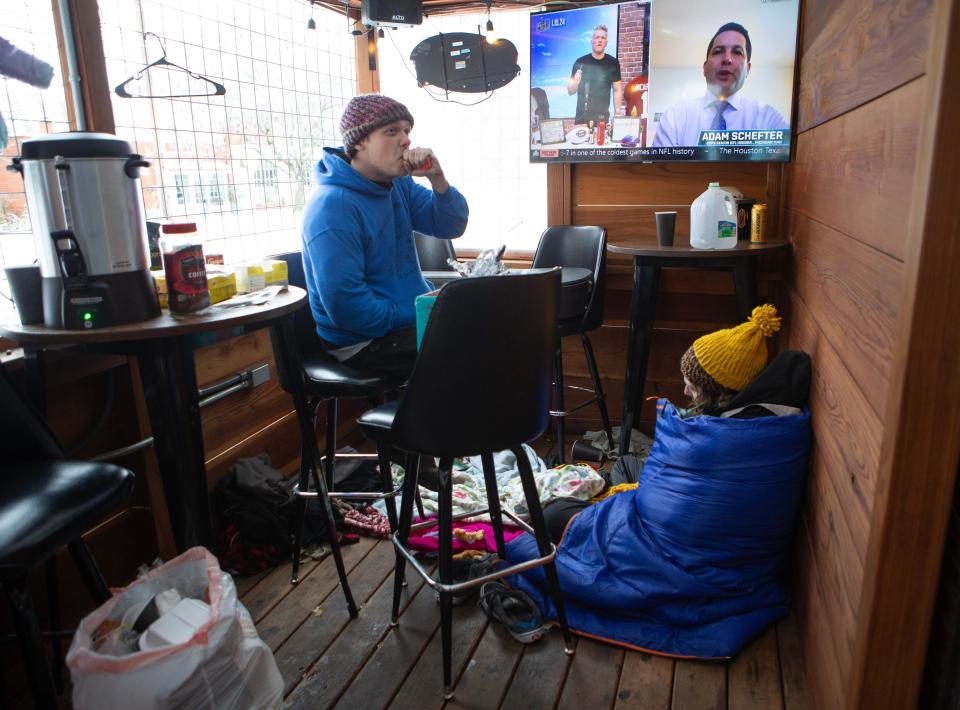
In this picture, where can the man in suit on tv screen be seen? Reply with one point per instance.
(591, 78)
(721, 108)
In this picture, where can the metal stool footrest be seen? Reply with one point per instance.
(364, 495)
(567, 412)
(469, 584)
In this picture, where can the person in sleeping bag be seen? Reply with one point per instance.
(692, 563)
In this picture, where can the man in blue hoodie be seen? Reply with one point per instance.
(358, 248)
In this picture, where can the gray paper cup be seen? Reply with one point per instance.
(26, 292)
(666, 224)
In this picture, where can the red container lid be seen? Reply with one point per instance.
(179, 227)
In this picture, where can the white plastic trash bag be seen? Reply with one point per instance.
(224, 665)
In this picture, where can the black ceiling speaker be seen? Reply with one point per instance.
(393, 13)
(465, 62)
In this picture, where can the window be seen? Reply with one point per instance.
(239, 165)
(483, 148)
(27, 112)
(265, 176)
(183, 183)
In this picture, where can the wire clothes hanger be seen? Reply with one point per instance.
(121, 89)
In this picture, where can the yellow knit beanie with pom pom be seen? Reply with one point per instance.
(734, 356)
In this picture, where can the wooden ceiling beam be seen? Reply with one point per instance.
(439, 7)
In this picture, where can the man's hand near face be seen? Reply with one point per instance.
(421, 162)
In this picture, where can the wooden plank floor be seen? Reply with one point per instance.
(328, 660)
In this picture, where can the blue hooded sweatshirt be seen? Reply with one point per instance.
(359, 254)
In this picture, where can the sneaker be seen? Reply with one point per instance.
(469, 568)
(515, 609)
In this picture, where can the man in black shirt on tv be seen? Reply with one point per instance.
(591, 78)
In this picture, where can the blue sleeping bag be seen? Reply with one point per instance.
(690, 563)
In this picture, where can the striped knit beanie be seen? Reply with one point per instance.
(365, 114)
(732, 357)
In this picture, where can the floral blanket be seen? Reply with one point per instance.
(470, 492)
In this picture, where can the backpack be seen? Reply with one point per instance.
(254, 533)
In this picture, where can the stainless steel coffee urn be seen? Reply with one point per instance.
(86, 209)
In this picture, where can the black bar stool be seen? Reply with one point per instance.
(46, 502)
(581, 310)
(481, 385)
(327, 381)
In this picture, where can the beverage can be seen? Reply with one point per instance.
(601, 132)
(758, 227)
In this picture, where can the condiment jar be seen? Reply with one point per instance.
(184, 267)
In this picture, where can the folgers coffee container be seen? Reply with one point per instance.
(185, 269)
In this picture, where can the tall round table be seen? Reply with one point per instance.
(164, 348)
(648, 258)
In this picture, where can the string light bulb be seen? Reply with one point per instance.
(311, 23)
(491, 37)
(380, 33)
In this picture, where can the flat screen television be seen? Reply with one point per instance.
(663, 80)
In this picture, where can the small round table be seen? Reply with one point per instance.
(164, 347)
(648, 258)
(575, 282)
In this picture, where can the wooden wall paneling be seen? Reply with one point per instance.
(229, 356)
(365, 44)
(94, 86)
(847, 430)
(706, 281)
(119, 545)
(816, 14)
(610, 350)
(921, 444)
(856, 173)
(633, 184)
(588, 418)
(559, 204)
(775, 198)
(628, 224)
(839, 498)
(76, 407)
(836, 509)
(280, 439)
(151, 479)
(852, 291)
(865, 49)
(243, 414)
(681, 310)
(836, 555)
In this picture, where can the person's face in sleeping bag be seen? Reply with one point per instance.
(691, 390)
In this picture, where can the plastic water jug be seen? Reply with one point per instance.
(713, 219)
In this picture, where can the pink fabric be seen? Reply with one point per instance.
(370, 521)
(427, 539)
